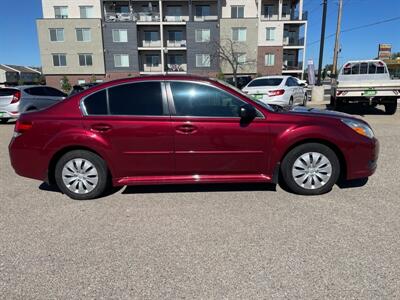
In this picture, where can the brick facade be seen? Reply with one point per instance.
(270, 70)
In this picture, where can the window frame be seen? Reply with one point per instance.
(61, 7)
(265, 59)
(85, 7)
(172, 109)
(122, 54)
(82, 30)
(165, 103)
(119, 35)
(85, 55)
(199, 33)
(56, 32)
(238, 34)
(272, 34)
(59, 60)
(236, 8)
(209, 60)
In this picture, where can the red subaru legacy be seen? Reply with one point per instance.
(174, 130)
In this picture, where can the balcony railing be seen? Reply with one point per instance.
(151, 44)
(148, 17)
(176, 18)
(292, 66)
(129, 17)
(287, 41)
(151, 68)
(171, 68)
(205, 18)
(176, 44)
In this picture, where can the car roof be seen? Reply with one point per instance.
(269, 77)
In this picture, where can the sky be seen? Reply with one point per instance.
(19, 44)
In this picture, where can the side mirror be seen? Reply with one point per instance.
(247, 112)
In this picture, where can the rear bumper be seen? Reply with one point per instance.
(362, 160)
(8, 114)
(27, 162)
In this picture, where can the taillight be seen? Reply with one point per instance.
(16, 97)
(22, 127)
(276, 93)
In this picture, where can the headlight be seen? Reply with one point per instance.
(359, 127)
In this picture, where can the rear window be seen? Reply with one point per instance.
(364, 68)
(7, 92)
(266, 82)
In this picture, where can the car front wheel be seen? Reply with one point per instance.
(310, 169)
(82, 175)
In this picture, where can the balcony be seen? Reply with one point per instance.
(293, 42)
(127, 11)
(176, 44)
(290, 11)
(292, 66)
(176, 68)
(175, 62)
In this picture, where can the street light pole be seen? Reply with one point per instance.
(322, 43)
(337, 41)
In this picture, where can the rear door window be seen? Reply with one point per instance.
(36, 91)
(96, 104)
(136, 99)
(363, 68)
(355, 69)
(53, 92)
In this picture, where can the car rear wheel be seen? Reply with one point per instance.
(390, 108)
(3, 121)
(291, 102)
(305, 100)
(310, 169)
(82, 175)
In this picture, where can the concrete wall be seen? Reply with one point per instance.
(250, 9)
(71, 47)
(249, 46)
(73, 7)
(112, 48)
(262, 33)
(194, 48)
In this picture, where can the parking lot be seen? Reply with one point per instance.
(210, 242)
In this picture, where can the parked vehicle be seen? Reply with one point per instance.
(184, 129)
(14, 101)
(366, 82)
(81, 87)
(277, 90)
(242, 81)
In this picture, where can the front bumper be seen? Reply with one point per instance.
(362, 160)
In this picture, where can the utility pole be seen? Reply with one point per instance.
(322, 43)
(337, 41)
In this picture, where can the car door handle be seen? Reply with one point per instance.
(186, 129)
(100, 127)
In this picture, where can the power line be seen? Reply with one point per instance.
(357, 28)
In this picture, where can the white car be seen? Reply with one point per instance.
(277, 90)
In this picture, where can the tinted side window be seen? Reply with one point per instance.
(7, 92)
(96, 104)
(36, 91)
(139, 99)
(54, 92)
(203, 101)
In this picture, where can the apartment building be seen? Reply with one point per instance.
(113, 39)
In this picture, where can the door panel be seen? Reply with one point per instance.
(210, 138)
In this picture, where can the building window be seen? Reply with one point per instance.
(270, 59)
(202, 35)
(175, 35)
(237, 11)
(203, 60)
(152, 60)
(86, 12)
(61, 12)
(81, 81)
(120, 35)
(239, 34)
(203, 10)
(121, 60)
(59, 60)
(241, 58)
(85, 60)
(83, 35)
(270, 33)
(151, 36)
(57, 34)
(269, 11)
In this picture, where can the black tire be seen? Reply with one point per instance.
(305, 99)
(31, 109)
(3, 121)
(102, 173)
(390, 108)
(291, 102)
(290, 159)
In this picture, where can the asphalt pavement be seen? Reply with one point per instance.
(204, 242)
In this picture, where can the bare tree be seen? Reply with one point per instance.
(230, 52)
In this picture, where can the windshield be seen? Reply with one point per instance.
(265, 105)
(266, 82)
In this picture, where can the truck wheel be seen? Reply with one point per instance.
(390, 108)
(3, 121)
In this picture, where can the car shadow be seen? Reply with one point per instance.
(360, 110)
(350, 184)
(200, 188)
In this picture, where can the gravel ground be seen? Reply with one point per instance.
(209, 242)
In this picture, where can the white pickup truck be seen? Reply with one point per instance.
(366, 82)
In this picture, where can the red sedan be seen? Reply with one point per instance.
(174, 129)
